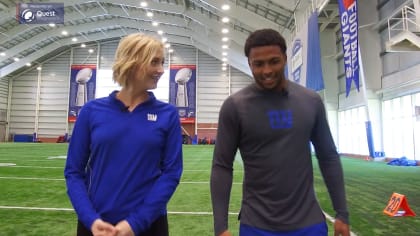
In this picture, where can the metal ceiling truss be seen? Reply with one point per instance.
(192, 22)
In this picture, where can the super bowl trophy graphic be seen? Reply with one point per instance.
(181, 78)
(82, 77)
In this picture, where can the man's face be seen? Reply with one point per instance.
(267, 66)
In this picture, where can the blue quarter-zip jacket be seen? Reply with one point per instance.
(124, 165)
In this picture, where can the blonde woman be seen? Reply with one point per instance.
(124, 160)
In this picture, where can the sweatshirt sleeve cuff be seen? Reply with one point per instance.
(343, 217)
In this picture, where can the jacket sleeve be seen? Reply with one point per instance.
(330, 163)
(222, 167)
(171, 166)
(75, 169)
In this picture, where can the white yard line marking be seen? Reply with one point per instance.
(15, 159)
(37, 167)
(58, 179)
(71, 209)
(7, 164)
(62, 167)
(37, 208)
(57, 157)
(30, 178)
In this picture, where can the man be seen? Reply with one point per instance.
(272, 123)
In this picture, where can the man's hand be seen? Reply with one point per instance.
(341, 228)
(102, 228)
(124, 229)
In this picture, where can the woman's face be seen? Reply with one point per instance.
(148, 77)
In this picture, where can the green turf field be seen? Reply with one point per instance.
(33, 198)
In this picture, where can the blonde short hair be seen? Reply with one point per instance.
(134, 51)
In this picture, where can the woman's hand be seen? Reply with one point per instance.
(124, 229)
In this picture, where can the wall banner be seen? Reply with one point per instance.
(314, 77)
(182, 91)
(304, 65)
(82, 88)
(349, 33)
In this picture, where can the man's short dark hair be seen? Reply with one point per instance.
(264, 37)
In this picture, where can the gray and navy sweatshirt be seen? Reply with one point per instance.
(273, 132)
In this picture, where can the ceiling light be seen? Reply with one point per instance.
(224, 68)
(143, 4)
(82, 45)
(224, 59)
(225, 7)
(28, 64)
(224, 53)
(154, 23)
(224, 64)
(225, 30)
(225, 39)
(170, 50)
(160, 32)
(91, 50)
(149, 14)
(64, 32)
(164, 40)
(74, 39)
(39, 68)
(167, 45)
(2, 54)
(225, 19)
(224, 46)
(16, 59)
(51, 24)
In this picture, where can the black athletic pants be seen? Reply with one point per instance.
(158, 228)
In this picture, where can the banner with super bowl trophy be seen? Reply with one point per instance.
(82, 88)
(182, 91)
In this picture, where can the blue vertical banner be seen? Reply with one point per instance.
(314, 78)
(82, 88)
(369, 137)
(349, 31)
(305, 66)
(298, 67)
(298, 56)
(182, 94)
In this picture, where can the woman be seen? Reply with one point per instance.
(124, 160)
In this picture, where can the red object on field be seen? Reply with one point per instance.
(398, 206)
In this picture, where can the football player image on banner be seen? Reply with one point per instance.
(182, 86)
(82, 88)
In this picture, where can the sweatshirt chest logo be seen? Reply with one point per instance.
(151, 117)
(280, 119)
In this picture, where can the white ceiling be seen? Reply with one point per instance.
(190, 22)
